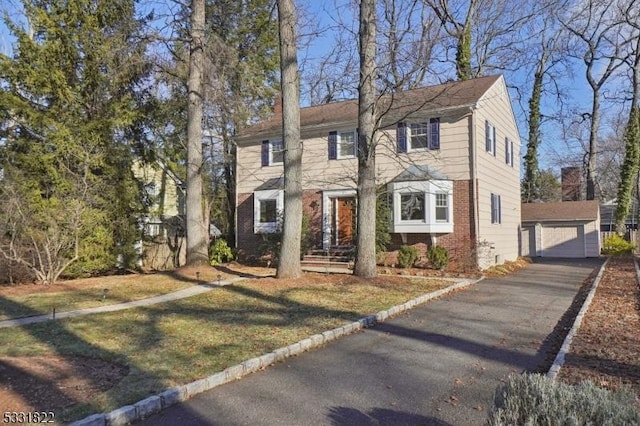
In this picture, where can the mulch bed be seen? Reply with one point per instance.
(606, 348)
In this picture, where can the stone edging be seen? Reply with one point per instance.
(154, 404)
(566, 345)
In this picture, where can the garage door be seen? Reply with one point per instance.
(563, 241)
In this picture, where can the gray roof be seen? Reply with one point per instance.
(273, 183)
(419, 173)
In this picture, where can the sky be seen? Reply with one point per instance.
(322, 16)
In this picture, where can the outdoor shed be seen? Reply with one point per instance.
(560, 229)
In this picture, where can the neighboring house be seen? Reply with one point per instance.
(447, 154)
(163, 227)
(608, 216)
(561, 229)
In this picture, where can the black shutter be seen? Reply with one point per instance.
(434, 133)
(401, 137)
(333, 145)
(265, 153)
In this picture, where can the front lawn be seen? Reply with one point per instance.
(174, 343)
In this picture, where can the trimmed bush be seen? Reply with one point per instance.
(220, 252)
(438, 257)
(537, 400)
(407, 256)
(616, 245)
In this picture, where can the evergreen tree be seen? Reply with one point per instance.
(69, 98)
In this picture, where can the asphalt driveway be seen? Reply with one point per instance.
(438, 364)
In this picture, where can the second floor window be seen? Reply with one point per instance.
(490, 138)
(342, 144)
(272, 152)
(421, 135)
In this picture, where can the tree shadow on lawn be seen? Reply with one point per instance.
(66, 345)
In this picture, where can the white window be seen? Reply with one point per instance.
(267, 208)
(422, 206)
(276, 152)
(508, 151)
(496, 209)
(347, 144)
(419, 135)
(442, 207)
(490, 136)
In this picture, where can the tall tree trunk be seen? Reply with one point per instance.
(592, 159)
(197, 232)
(289, 259)
(530, 190)
(463, 53)
(365, 265)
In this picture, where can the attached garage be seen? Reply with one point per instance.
(564, 229)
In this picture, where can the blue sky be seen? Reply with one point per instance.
(323, 14)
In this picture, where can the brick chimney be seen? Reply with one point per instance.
(277, 104)
(571, 183)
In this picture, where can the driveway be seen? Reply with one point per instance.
(438, 364)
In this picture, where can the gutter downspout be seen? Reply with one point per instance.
(474, 180)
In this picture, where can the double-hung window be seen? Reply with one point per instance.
(418, 135)
(442, 207)
(490, 138)
(272, 152)
(496, 209)
(342, 144)
(508, 150)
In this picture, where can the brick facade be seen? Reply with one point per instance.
(460, 243)
(250, 244)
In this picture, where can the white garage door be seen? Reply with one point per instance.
(563, 241)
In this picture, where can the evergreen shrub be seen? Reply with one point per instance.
(616, 245)
(407, 256)
(438, 257)
(220, 252)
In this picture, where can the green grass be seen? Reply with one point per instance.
(177, 342)
(124, 290)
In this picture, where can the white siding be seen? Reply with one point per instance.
(495, 176)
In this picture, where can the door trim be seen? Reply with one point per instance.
(326, 212)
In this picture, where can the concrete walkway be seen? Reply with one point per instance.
(438, 364)
(180, 294)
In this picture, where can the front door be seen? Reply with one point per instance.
(343, 218)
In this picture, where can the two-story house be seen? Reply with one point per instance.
(448, 155)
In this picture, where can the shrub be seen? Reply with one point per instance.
(616, 245)
(538, 400)
(220, 252)
(383, 220)
(407, 256)
(438, 257)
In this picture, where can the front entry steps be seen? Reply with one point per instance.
(340, 257)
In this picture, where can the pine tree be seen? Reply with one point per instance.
(69, 97)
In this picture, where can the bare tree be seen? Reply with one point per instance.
(289, 259)
(197, 229)
(485, 32)
(365, 265)
(597, 29)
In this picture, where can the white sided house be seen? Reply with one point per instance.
(448, 155)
